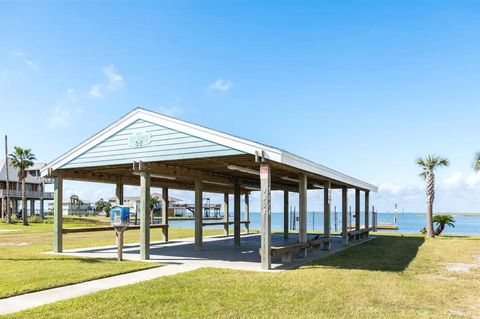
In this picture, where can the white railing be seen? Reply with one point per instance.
(30, 194)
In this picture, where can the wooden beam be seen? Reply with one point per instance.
(247, 212)
(327, 199)
(198, 214)
(357, 211)
(165, 212)
(285, 214)
(57, 214)
(367, 204)
(344, 216)
(266, 227)
(302, 214)
(106, 228)
(226, 212)
(236, 215)
(145, 215)
(119, 193)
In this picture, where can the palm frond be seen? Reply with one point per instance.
(476, 162)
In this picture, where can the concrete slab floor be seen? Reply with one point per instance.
(217, 252)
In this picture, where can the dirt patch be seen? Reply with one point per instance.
(461, 267)
(14, 244)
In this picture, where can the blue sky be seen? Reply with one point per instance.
(360, 86)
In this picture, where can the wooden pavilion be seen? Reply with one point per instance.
(153, 150)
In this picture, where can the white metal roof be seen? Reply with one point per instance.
(237, 143)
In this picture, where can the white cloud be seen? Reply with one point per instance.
(454, 180)
(64, 113)
(114, 82)
(170, 110)
(220, 86)
(25, 60)
(97, 91)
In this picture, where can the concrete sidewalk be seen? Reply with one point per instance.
(35, 299)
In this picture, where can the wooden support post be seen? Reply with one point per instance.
(32, 207)
(302, 214)
(247, 212)
(42, 209)
(236, 214)
(165, 212)
(266, 227)
(119, 193)
(285, 214)
(374, 219)
(327, 198)
(57, 214)
(198, 214)
(344, 216)
(119, 245)
(367, 204)
(144, 215)
(226, 212)
(357, 211)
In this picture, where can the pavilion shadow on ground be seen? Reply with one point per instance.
(218, 251)
(384, 253)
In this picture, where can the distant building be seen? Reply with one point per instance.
(75, 207)
(133, 202)
(35, 189)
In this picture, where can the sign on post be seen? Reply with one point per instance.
(120, 218)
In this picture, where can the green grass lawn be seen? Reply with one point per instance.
(26, 268)
(389, 277)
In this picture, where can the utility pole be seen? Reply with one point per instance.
(9, 212)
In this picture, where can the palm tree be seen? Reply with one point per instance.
(476, 162)
(442, 221)
(22, 159)
(428, 165)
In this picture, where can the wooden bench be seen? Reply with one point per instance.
(361, 233)
(287, 251)
(317, 244)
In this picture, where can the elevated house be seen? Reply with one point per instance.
(35, 189)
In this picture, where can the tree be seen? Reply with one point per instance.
(429, 164)
(443, 220)
(476, 162)
(22, 159)
(102, 205)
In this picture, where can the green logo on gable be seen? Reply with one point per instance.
(139, 139)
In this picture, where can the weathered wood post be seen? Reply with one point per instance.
(165, 212)
(226, 212)
(265, 228)
(42, 209)
(344, 216)
(367, 205)
(247, 211)
(302, 214)
(198, 214)
(57, 214)
(285, 214)
(236, 214)
(32, 207)
(374, 219)
(119, 193)
(327, 199)
(144, 215)
(357, 211)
